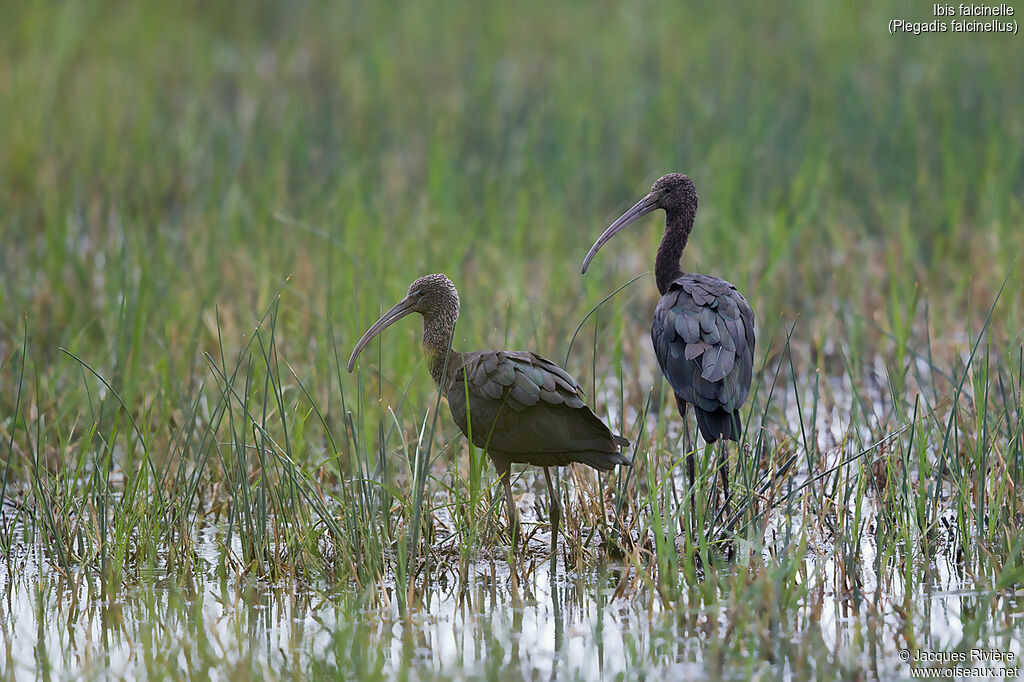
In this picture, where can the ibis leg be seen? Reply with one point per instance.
(691, 466)
(723, 473)
(691, 469)
(504, 470)
(691, 474)
(554, 511)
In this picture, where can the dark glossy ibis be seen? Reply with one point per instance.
(521, 407)
(703, 329)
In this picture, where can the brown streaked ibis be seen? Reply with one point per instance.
(517, 406)
(703, 329)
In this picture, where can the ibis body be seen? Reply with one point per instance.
(703, 328)
(517, 406)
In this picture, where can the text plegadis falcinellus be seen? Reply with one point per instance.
(703, 329)
(521, 407)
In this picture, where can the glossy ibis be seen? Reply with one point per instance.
(703, 329)
(517, 406)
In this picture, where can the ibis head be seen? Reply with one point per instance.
(674, 193)
(432, 296)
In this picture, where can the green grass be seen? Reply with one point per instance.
(202, 208)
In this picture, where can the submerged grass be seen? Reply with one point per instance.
(203, 209)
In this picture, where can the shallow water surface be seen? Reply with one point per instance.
(534, 620)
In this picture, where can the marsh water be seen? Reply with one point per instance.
(530, 618)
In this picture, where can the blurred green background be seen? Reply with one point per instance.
(167, 167)
(164, 165)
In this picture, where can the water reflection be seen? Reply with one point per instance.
(534, 620)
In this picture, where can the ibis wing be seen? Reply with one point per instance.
(703, 334)
(520, 403)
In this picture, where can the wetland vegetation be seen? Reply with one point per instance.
(202, 207)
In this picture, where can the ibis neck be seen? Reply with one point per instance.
(437, 339)
(677, 232)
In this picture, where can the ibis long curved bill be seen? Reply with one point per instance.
(641, 208)
(400, 310)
